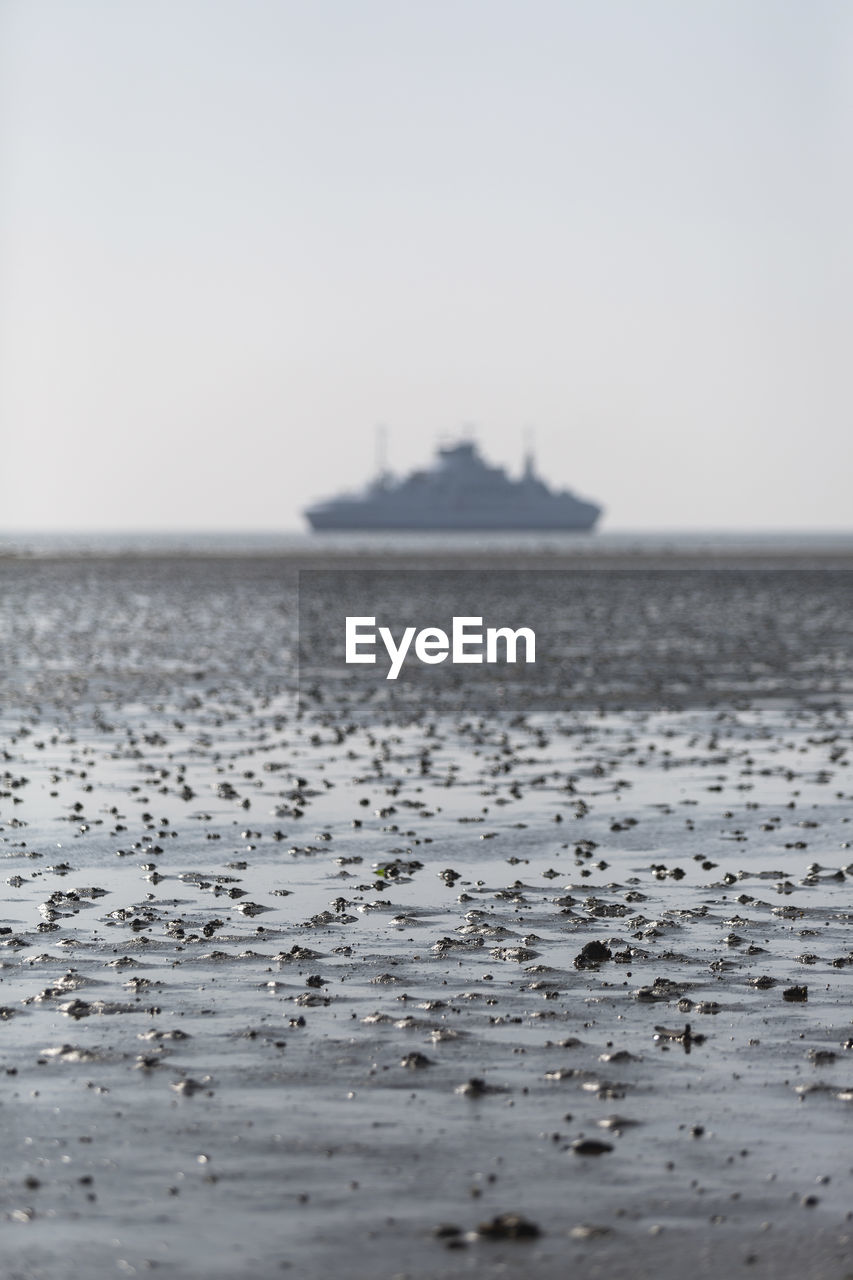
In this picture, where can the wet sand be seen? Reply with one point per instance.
(326, 992)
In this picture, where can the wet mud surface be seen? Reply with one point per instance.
(321, 993)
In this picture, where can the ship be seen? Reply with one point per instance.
(460, 491)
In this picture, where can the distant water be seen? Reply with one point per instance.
(649, 542)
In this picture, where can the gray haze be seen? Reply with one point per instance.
(236, 234)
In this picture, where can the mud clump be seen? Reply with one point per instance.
(415, 1061)
(593, 954)
(509, 1226)
(795, 995)
(590, 1147)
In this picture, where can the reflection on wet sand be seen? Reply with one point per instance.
(322, 992)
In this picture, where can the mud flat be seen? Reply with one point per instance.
(323, 992)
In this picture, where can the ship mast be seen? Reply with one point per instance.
(527, 436)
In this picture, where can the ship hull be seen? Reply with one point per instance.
(372, 521)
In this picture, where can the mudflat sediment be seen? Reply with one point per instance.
(312, 986)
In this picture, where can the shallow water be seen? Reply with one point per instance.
(229, 925)
(835, 544)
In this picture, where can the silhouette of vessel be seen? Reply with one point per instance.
(459, 491)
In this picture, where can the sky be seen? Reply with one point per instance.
(236, 235)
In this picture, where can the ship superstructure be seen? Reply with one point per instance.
(459, 491)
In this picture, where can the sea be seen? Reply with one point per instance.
(664, 542)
